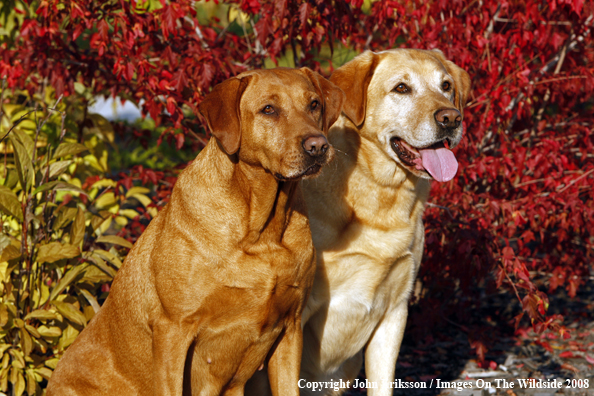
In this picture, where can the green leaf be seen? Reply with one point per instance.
(55, 251)
(70, 312)
(10, 204)
(58, 186)
(42, 314)
(116, 240)
(77, 230)
(52, 331)
(69, 149)
(66, 280)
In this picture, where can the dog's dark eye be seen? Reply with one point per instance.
(401, 88)
(314, 105)
(268, 110)
(446, 86)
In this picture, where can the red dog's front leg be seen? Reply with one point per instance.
(285, 362)
(171, 342)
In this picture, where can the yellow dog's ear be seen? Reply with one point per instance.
(461, 80)
(462, 85)
(353, 78)
(332, 96)
(220, 108)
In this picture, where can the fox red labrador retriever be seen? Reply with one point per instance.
(217, 283)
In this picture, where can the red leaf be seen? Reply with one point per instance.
(171, 105)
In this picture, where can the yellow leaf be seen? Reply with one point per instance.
(99, 272)
(3, 315)
(44, 372)
(32, 330)
(19, 386)
(109, 257)
(64, 216)
(31, 382)
(96, 221)
(70, 312)
(106, 200)
(116, 240)
(129, 213)
(143, 199)
(52, 331)
(56, 168)
(104, 183)
(69, 149)
(55, 251)
(10, 253)
(9, 203)
(137, 190)
(52, 363)
(91, 299)
(68, 337)
(19, 359)
(41, 314)
(40, 344)
(67, 279)
(26, 342)
(77, 230)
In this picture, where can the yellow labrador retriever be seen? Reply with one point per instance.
(402, 116)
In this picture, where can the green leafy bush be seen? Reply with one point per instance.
(59, 213)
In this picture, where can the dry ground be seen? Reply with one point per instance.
(568, 362)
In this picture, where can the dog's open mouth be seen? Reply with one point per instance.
(437, 159)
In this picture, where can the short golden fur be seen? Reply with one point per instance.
(366, 209)
(217, 282)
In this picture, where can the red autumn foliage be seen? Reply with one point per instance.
(519, 213)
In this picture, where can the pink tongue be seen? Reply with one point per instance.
(440, 163)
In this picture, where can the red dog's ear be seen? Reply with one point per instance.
(353, 78)
(220, 108)
(332, 96)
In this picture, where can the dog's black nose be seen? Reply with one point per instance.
(315, 145)
(448, 118)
